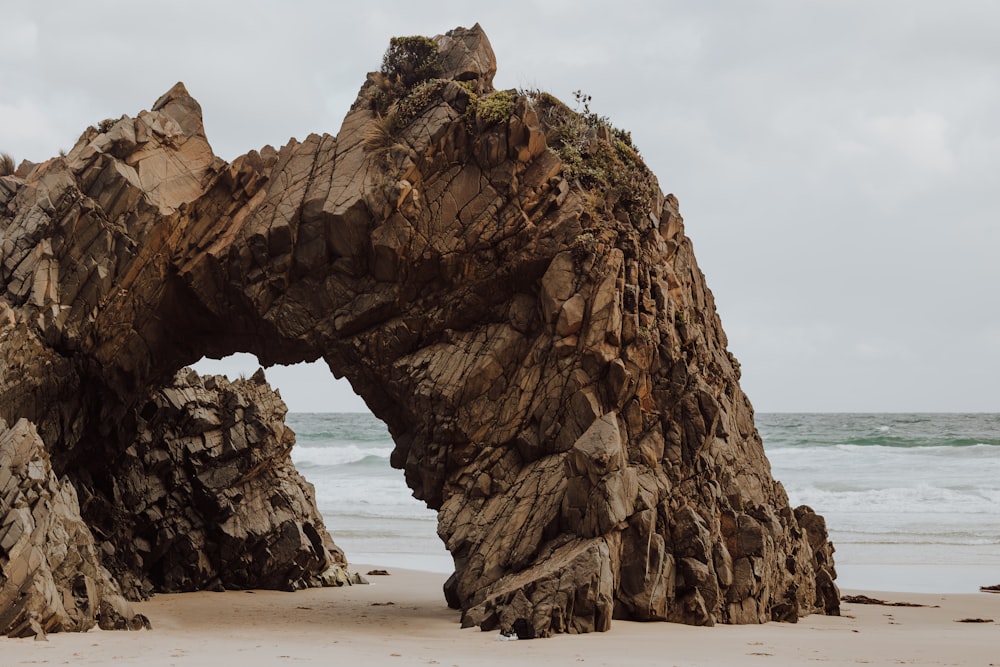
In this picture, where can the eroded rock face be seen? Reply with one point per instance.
(51, 577)
(503, 282)
(207, 496)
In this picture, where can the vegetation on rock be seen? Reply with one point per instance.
(419, 98)
(6, 164)
(411, 60)
(380, 134)
(495, 107)
(405, 85)
(408, 62)
(597, 155)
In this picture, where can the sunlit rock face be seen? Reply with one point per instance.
(498, 276)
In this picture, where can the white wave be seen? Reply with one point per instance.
(852, 451)
(332, 456)
(920, 499)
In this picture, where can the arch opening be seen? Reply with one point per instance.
(307, 386)
(343, 450)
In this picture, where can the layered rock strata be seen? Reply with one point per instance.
(498, 276)
(207, 497)
(51, 578)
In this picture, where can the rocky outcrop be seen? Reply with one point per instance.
(499, 277)
(207, 496)
(51, 577)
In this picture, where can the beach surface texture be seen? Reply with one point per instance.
(401, 619)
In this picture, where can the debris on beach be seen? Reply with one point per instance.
(864, 599)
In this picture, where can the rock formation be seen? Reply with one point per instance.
(498, 276)
(207, 496)
(52, 579)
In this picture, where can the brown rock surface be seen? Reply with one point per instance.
(499, 277)
(207, 496)
(51, 577)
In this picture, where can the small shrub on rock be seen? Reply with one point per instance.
(497, 107)
(411, 60)
(597, 155)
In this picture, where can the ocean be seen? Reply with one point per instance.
(912, 501)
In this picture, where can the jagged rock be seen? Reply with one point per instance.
(110, 618)
(51, 578)
(499, 277)
(207, 496)
(814, 526)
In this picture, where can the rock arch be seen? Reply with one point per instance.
(530, 323)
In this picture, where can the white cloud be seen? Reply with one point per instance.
(921, 138)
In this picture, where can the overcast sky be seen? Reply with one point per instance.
(837, 163)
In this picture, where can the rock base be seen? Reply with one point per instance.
(51, 577)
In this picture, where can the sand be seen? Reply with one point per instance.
(402, 620)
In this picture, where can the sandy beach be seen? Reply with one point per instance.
(401, 619)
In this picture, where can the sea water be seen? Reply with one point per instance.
(912, 501)
(366, 505)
